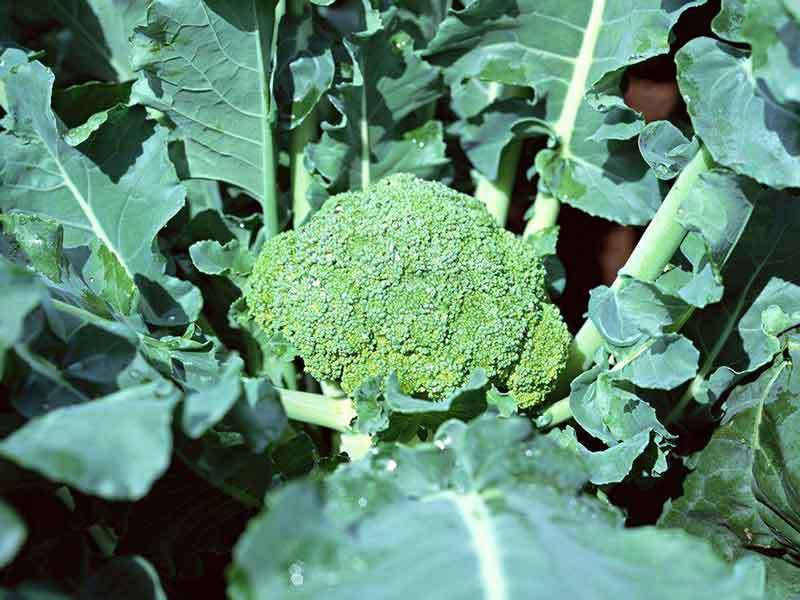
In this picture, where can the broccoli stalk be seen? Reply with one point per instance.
(658, 244)
(317, 409)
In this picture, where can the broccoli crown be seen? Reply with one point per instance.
(412, 277)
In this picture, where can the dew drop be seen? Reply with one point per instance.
(443, 443)
(391, 465)
(528, 452)
(362, 502)
(296, 576)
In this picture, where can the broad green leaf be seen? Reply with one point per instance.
(97, 33)
(660, 363)
(627, 313)
(742, 492)
(233, 259)
(605, 466)
(118, 189)
(743, 125)
(608, 409)
(390, 85)
(729, 345)
(12, 534)
(573, 55)
(479, 513)
(207, 64)
(771, 29)
(114, 447)
(385, 410)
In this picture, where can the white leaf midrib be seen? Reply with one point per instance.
(565, 125)
(478, 521)
(86, 207)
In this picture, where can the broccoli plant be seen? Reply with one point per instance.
(292, 303)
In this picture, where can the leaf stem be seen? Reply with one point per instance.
(496, 194)
(333, 413)
(301, 136)
(268, 16)
(545, 214)
(659, 242)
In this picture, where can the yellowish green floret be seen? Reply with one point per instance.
(412, 277)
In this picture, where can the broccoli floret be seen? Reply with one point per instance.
(412, 277)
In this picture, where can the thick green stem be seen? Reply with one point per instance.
(545, 214)
(333, 413)
(302, 135)
(659, 242)
(269, 16)
(356, 445)
(331, 389)
(496, 194)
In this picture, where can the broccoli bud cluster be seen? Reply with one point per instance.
(412, 277)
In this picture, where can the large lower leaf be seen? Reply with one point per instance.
(566, 51)
(743, 491)
(114, 447)
(482, 512)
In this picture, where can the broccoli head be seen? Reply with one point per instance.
(412, 277)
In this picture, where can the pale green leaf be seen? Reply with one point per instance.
(478, 513)
(739, 120)
(114, 447)
(207, 65)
